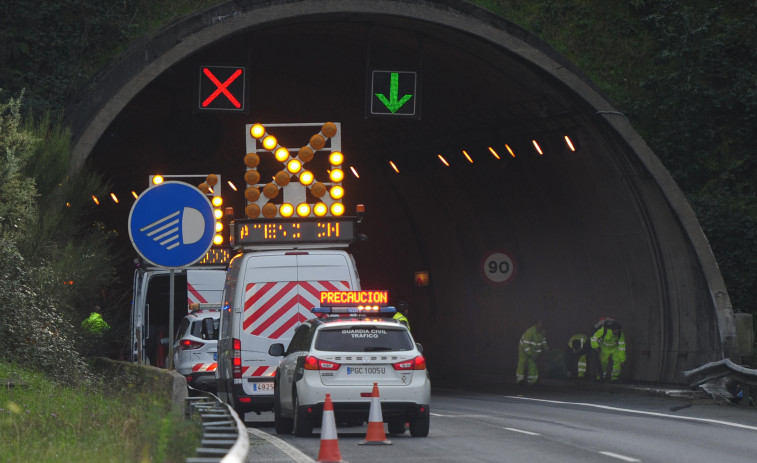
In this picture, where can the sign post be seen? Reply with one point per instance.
(171, 225)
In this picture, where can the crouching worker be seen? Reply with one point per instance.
(610, 344)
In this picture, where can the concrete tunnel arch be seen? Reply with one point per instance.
(637, 253)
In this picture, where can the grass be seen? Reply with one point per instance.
(45, 422)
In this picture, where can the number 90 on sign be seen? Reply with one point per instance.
(498, 267)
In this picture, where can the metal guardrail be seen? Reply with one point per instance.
(723, 370)
(224, 435)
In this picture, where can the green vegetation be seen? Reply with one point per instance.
(45, 421)
(55, 268)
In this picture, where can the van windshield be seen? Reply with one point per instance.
(363, 339)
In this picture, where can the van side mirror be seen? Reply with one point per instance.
(208, 331)
(276, 350)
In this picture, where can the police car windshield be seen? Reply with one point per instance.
(363, 339)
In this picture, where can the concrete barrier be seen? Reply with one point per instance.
(145, 378)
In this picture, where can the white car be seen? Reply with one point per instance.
(344, 357)
(195, 349)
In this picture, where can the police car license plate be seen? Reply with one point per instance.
(367, 370)
(262, 388)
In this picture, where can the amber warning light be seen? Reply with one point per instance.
(354, 298)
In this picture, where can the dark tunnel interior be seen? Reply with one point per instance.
(574, 224)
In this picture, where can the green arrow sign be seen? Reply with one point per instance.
(393, 93)
(393, 104)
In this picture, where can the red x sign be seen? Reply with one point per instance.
(222, 88)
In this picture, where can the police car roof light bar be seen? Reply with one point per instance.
(367, 310)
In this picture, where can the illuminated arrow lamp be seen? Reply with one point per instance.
(294, 178)
(214, 194)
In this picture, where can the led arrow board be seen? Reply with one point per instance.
(172, 224)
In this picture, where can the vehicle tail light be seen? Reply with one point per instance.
(417, 363)
(314, 363)
(236, 358)
(186, 344)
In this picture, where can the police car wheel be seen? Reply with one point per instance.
(282, 424)
(301, 426)
(419, 426)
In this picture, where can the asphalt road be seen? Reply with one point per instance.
(543, 425)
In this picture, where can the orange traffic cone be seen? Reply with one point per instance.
(375, 434)
(329, 445)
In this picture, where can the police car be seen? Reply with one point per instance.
(343, 353)
(195, 348)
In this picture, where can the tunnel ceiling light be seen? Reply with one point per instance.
(394, 166)
(231, 185)
(114, 198)
(467, 156)
(444, 161)
(354, 172)
(510, 150)
(494, 153)
(134, 193)
(97, 201)
(569, 142)
(537, 147)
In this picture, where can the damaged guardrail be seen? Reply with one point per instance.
(224, 435)
(726, 370)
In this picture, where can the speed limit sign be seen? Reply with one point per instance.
(498, 267)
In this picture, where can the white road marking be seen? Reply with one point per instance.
(290, 451)
(640, 412)
(619, 456)
(458, 416)
(523, 432)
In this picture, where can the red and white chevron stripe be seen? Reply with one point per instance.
(265, 370)
(201, 367)
(194, 296)
(273, 310)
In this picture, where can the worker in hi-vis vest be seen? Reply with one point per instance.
(401, 315)
(532, 343)
(576, 359)
(610, 343)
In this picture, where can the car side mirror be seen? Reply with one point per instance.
(419, 347)
(208, 330)
(276, 350)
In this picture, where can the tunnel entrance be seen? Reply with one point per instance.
(480, 213)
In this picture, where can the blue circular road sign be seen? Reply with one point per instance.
(172, 224)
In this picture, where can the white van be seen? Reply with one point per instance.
(267, 295)
(150, 314)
